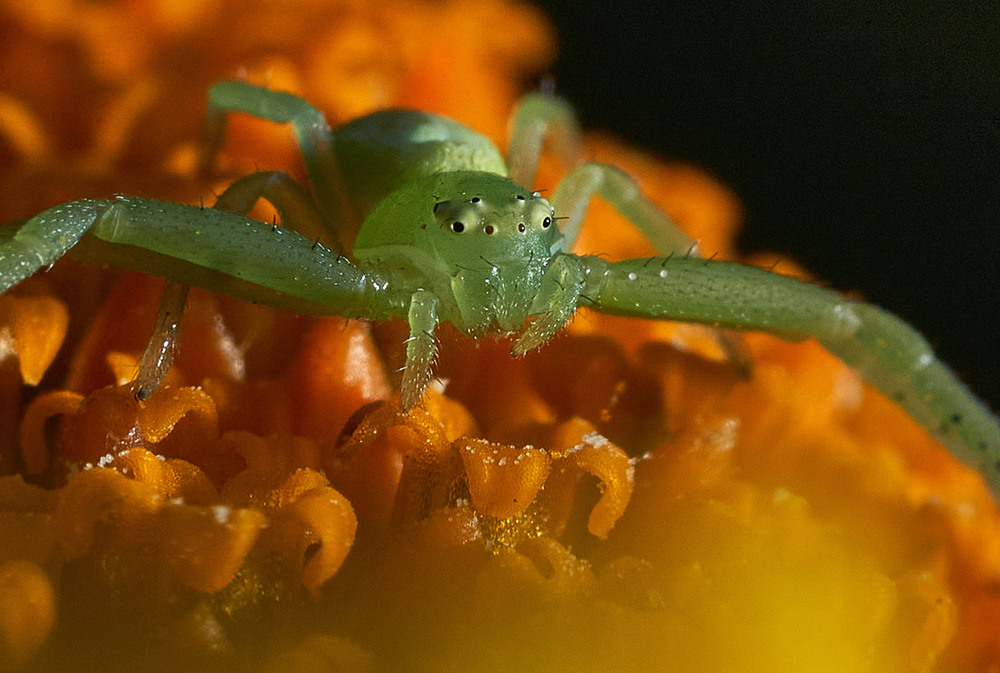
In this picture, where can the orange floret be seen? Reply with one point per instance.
(631, 497)
(27, 612)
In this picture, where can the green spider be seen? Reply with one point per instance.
(448, 236)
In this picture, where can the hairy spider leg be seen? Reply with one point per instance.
(158, 355)
(574, 192)
(296, 208)
(886, 351)
(312, 133)
(541, 118)
(421, 348)
(29, 245)
(298, 212)
(220, 251)
(554, 305)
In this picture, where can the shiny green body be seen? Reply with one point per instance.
(446, 236)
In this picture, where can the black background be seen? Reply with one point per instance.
(863, 138)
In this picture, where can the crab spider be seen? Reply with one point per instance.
(448, 233)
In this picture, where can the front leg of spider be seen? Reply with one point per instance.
(554, 304)
(421, 347)
(886, 351)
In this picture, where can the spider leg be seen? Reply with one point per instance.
(421, 347)
(158, 355)
(554, 304)
(886, 351)
(296, 207)
(312, 132)
(573, 195)
(25, 247)
(298, 212)
(537, 118)
(205, 247)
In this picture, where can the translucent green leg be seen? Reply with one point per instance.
(542, 117)
(311, 129)
(28, 246)
(421, 347)
(209, 248)
(886, 351)
(898, 360)
(553, 306)
(158, 356)
(537, 118)
(298, 212)
(573, 196)
(297, 209)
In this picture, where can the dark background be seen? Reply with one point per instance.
(862, 137)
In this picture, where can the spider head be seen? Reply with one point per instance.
(496, 237)
(478, 240)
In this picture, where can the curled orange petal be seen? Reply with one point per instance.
(97, 499)
(172, 478)
(313, 534)
(503, 480)
(338, 370)
(274, 473)
(168, 405)
(207, 545)
(593, 453)
(38, 327)
(542, 567)
(34, 447)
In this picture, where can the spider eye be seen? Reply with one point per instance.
(457, 227)
(546, 222)
(520, 227)
(488, 229)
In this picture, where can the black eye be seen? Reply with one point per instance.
(520, 227)
(457, 227)
(488, 229)
(546, 222)
(476, 199)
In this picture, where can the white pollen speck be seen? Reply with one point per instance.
(595, 439)
(221, 514)
(105, 460)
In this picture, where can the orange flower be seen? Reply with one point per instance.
(624, 499)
